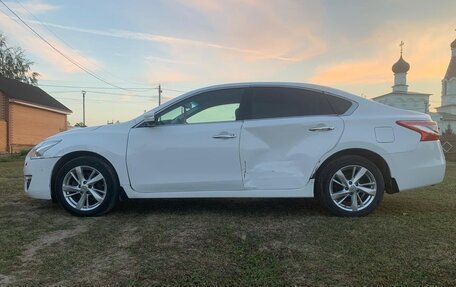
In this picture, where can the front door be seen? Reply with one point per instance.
(194, 146)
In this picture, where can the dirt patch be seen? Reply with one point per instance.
(47, 240)
(101, 269)
(7, 279)
(130, 236)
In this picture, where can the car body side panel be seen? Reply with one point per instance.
(421, 167)
(108, 141)
(304, 192)
(185, 157)
(412, 163)
(281, 153)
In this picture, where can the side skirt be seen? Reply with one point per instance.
(306, 192)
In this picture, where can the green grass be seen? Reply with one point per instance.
(409, 241)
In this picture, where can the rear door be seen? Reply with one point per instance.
(286, 132)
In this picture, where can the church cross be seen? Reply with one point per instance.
(402, 44)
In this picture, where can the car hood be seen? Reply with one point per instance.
(77, 131)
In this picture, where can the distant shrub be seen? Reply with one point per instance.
(24, 152)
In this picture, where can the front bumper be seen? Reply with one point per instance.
(37, 177)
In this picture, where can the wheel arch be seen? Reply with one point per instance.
(378, 160)
(75, 154)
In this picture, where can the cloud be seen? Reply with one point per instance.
(168, 76)
(166, 60)
(281, 30)
(33, 7)
(33, 45)
(258, 31)
(426, 49)
(170, 40)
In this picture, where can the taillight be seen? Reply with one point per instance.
(429, 130)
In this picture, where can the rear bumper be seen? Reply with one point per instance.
(421, 167)
(37, 177)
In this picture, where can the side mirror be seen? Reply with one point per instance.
(149, 120)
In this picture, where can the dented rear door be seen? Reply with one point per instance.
(279, 152)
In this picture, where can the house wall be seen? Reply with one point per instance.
(3, 137)
(30, 125)
(3, 125)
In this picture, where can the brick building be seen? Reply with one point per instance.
(27, 115)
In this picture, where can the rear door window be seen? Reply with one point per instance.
(276, 102)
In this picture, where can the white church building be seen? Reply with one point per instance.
(402, 98)
(447, 111)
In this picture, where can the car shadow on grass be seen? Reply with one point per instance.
(222, 206)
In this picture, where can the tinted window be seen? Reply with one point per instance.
(213, 106)
(287, 102)
(339, 105)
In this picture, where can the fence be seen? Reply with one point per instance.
(449, 146)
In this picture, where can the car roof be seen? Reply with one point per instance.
(306, 86)
(313, 87)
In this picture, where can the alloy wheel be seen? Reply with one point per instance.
(353, 188)
(84, 188)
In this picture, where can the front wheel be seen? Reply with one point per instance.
(87, 186)
(350, 186)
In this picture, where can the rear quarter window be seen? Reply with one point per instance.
(338, 105)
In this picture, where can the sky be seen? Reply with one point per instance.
(133, 46)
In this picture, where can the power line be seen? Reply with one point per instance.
(58, 51)
(87, 87)
(172, 90)
(101, 88)
(103, 101)
(66, 43)
(102, 93)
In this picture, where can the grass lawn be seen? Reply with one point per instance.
(409, 241)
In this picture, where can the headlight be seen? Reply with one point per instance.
(39, 150)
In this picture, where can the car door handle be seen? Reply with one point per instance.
(321, 129)
(224, 135)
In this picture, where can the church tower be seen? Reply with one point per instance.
(449, 81)
(400, 69)
(401, 97)
(447, 111)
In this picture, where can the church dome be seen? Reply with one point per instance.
(401, 66)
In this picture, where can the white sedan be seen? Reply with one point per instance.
(282, 140)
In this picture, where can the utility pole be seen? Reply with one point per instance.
(159, 94)
(84, 107)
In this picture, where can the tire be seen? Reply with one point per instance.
(347, 180)
(87, 186)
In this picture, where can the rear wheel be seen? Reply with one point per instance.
(350, 186)
(87, 186)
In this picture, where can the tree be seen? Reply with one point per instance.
(80, 125)
(448, 134)
(14, 64)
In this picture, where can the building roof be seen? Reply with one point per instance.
(401, 66)
(453, 44)
(30, 94)
(451, 71)
(448, 116)
(396, 94)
